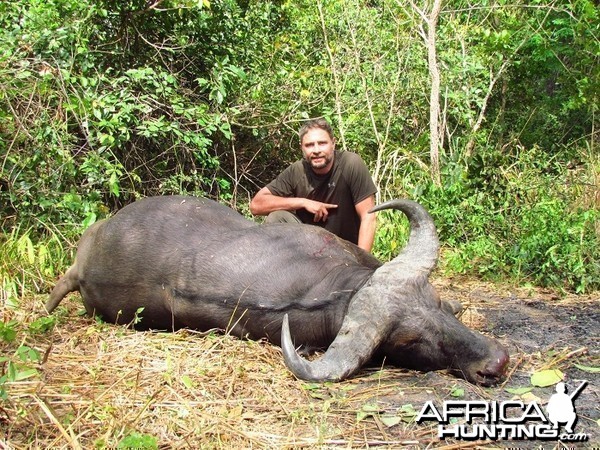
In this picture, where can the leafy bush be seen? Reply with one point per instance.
(102, 102)
(20, 362)
(520, 218)
(78, 140)
(28, 264)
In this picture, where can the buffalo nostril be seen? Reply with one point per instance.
(497, 364)
(494, 369)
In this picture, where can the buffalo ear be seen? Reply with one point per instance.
(453, 307)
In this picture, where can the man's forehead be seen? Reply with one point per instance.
(316, 134)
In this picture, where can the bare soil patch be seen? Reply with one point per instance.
(100, 384)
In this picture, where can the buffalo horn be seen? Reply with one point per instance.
(421, 251)
(345, 356)
(367, 321)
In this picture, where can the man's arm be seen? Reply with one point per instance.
(368, 222)
(265, 202)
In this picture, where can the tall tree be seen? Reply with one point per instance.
(429, 15)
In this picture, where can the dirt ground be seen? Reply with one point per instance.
(100, 383)
(542, 330)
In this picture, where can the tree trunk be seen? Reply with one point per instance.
(434, 103)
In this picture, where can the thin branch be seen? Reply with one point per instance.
(338, 101)
(151, 5)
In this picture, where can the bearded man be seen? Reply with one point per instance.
(329, 188)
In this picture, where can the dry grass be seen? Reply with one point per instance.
(99, 383)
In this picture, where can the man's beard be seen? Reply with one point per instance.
(322, 164)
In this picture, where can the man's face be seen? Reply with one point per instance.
(318, 148)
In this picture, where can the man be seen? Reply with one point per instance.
(327, 188)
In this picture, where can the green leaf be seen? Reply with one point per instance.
(26, 354)
(89, 219)
(8, 331)
(390, 421)
(408, 413)
(518, 391)
(545, 378)
(138, 440)
(457, 392)
(367, 410)
(27, 249)
(23, 374)
(21, 75)
(113, 184)
(315, 390)
(187, 382)
(588, 369)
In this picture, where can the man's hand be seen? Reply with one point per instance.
(320, 210)
(264, 202)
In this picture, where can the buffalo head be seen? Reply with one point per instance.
(398, 315)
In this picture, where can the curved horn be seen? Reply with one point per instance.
(367, 320)
(355, 343)
(421, 251)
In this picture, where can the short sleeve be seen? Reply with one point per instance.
(359, 178)
(283, 185)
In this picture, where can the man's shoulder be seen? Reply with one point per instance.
(350, 161)
(297, 168)
(349, 155)
(350, 158)
(355, 174)
(289, 180)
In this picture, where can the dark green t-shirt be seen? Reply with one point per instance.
(347, 183)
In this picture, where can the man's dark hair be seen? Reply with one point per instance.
(315, 123)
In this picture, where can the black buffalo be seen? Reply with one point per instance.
(191, 262)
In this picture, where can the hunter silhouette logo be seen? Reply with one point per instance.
(513, 419)
(561, 407)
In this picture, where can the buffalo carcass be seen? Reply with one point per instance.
(191, 262)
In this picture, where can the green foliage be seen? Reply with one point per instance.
(545, 378)
(138, 441)
(25, 265)
(525, 224)
(562, 53)
(28, 266)
(80, 139)
(8, 331)
(42, 325)
(556, 248)
(17, 363)
(392, 234)
(103, 102)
